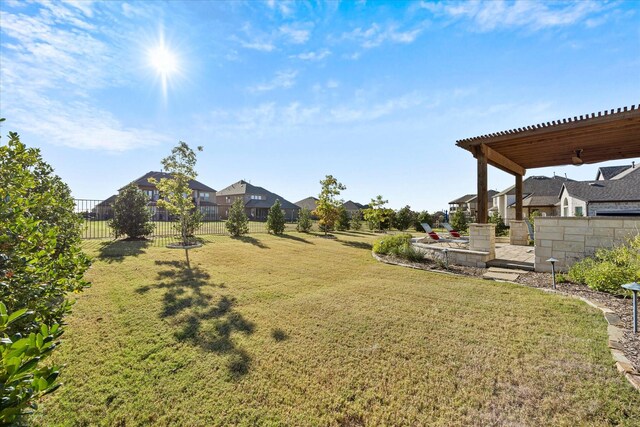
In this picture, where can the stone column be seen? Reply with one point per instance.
(482, 237)
(518, 233)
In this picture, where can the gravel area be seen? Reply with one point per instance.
(623, 307)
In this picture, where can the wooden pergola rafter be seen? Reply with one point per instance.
(594, 138)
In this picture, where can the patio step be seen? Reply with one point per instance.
(511, 264)
(492, 274)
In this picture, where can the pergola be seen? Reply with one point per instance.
(608, 135)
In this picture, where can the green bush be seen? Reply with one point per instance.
(237, 224)
(404, 218)
(423, 217)
(356, 221)
(275, 219)
(501, 228)
(608, 269)
(398, 245)
(459, 221)
(342, 222)
(40, 263)
(304, 221)
(131, 216)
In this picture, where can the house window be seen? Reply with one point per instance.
(228, 199)
(256, 197)
(578, 211)
(204, 196)
(565, 207)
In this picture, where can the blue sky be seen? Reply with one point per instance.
(283, 93)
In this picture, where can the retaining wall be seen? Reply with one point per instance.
(570, 239)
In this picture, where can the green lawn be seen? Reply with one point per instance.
(301, 330)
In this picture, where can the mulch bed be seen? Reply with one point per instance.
(623, 307)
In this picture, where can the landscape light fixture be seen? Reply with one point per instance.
(577, 160)
(553, 271)
(634, 287)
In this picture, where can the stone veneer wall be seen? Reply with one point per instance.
(456, 256)
(570, 239)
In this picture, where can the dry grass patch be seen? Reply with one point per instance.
(301, 330)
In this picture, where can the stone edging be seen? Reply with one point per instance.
(615, 333)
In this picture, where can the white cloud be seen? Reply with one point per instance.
(282, 79)
(313, 56)
(273, 118)
(264, 46)
(52, 61)
(496, 14)
(295, 35)
(376, 35)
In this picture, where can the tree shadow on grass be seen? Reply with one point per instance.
(252, 240)
(118, 250)
(296, 238)
(201, 319)
(357, 245)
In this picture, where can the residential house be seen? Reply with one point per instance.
(469, 203)
(539, 193)
(615, 192)
(308, 203)
(257, 201)
(203, 196)
(352, 207)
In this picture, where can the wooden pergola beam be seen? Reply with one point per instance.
(482, 213)
(501, 162)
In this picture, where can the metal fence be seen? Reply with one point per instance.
(97, 213)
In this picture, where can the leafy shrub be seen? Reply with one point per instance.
(501, 228)
(40, 263)
(404, 218)
(398, 245)
(304, 221)
(423, 217)
(237, 224)
(608, 269)
(356, 221)
(459, 221)
(275, 219)
(342, 222)
(131, 217)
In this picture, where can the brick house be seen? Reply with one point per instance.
(257, 201)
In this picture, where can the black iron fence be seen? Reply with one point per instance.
(97, 213)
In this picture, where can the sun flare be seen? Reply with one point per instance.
(163, 60)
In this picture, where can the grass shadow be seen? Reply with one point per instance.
(357, 245)
(252, 240)
(118, 250)
(296, 238)
(200, 318)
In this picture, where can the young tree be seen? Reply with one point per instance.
(304, 221)
(40, 263)
(131, 216)
(376, 214)
(327, 203)
(237, 224)
(356, 221)
(342, 222)
(175, 194)
(459, 221)
(404, 218)
(275, 219)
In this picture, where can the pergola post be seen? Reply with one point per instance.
(518, 197)
(482, 216)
